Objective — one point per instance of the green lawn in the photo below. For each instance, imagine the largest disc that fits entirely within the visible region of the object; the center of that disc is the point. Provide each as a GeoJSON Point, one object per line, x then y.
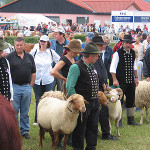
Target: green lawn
{"type": "Point", "coordinates": [132, 138]}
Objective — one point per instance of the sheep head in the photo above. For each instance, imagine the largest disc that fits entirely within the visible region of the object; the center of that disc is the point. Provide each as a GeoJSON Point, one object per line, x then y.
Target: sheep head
{"type": "Point", "coordinates": [102, 98]}
{"type": "Point", "coordinates": [113, 94]}
{"type": "Point", "coordinates": [77, 103]}
{"type": "Point", "coordinates": [119, 90]}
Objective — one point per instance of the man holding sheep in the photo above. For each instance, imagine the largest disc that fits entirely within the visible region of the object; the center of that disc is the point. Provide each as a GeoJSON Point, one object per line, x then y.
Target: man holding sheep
{"type": "Point", "coordinates": [123, 69]}
{"type": "Point", "coordinates": [82, 79]}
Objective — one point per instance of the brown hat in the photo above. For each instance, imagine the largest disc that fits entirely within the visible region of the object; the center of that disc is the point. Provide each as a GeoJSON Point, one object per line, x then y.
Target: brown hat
{"type": "Point", "coordinates": [74, 45]}
{"type": "Point", "coordinates": [98, 40]}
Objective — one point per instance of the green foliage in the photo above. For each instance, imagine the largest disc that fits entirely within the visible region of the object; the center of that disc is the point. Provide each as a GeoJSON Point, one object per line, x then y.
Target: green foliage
{"type": "Point", "coordinates": [10, 39]}
{"type": "Point", "coordinates": [7, 1]}
{"type": "Point", "coordinates": [80, 36]}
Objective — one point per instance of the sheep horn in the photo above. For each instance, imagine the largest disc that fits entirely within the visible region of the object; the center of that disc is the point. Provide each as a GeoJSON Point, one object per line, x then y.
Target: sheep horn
{"type": "Point", "coordinates": [119, 90]}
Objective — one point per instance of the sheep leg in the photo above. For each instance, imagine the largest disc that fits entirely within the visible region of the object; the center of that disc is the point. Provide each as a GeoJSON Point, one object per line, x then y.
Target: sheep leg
{"type": "Point", "coordinates": [41, 136]}
{"type": "Point", "coordinates": [110, 125]}
{"type": "Point", "coordinates": [142, 113]}
{"type": "Point", "coordinates": [147, 115]}
{"type": "Point", "coordinates": [56, 134]}
{"type": "Point", "coordinates": [117, 126]}
{"type": "Point", "coordinates": [65, 141]}
{"type": "Point", "coordinates": [52, 136]}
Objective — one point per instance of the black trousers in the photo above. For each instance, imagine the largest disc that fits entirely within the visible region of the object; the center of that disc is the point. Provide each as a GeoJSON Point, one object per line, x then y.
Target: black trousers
{"type": "Point", "coordinates": [129, 92]}
{"type": "Point", "coordinates": [86, 128]}
{"type": "Point", "coordinates": [104, 120]}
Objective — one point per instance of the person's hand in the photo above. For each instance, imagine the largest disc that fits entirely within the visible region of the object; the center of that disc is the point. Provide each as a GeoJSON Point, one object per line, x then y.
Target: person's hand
{"type": "Point", "coordinates": [65, 80]}
{"type": "Point", "coordinates": [4, 54]}
{"type": "Point", "coordinates": [148, 79]}
{"type": "Point", "coordinates": [115, 83]}
{"type": "Point", "coordinates": [136, 81]}
{"type": "Point", "coordinates": [104, 86]}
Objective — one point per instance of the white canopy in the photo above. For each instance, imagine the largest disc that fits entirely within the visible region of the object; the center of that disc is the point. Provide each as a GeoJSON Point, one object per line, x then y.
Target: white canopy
{"type": "Point", "coordinates": [30, 19]}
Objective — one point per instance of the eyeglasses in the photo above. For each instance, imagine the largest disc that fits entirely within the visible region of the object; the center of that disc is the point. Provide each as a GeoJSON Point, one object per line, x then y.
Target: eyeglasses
{"type": "Point", "coordinates": [42, 41]}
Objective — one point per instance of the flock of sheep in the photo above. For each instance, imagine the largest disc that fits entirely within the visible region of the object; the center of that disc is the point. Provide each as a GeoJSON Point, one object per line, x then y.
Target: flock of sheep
{"type": "Point", "coordinates": [56, 114]}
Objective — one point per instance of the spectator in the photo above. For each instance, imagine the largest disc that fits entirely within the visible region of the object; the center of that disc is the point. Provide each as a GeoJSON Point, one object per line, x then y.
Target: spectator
{"type": "Point", "coordinates": [57, 44]}
{"type": "Point", "coordinates": [127, 29]}
{"type": "Point", "coordinates": [23, 76]}
{"type": "Point", "coordinates": [70, 36]}
{"type": "Point", "coordinates": [138, 29]}
{"type": "Point", "coordinates": [27, 32]}
{"type": "Point", "coordinates": [145, 29]}
{"type": "Point", "coordinates": [43, 57]}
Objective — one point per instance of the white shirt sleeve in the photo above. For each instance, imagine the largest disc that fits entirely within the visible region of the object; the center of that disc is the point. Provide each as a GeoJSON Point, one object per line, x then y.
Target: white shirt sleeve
{"type": "Point", "coordinates": [56, 57]}
{"type": "Point", "coordinates": [114, 63]}
{"type": "Point", "coordinates": [10, 81]}
{"type": "Point", "coordinates": [135, 65]}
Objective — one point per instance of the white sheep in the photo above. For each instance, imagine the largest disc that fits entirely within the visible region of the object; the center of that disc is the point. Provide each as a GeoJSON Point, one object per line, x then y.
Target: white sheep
{"type": "Point", "coordinates": [142, 98]}
{"type": "Point", "coordinates": [57, 116]}
{"type": "Point", "coordinates": [114, 106]}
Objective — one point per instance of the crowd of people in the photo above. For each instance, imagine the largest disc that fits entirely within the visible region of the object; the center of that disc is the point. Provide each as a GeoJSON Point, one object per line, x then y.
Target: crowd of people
{"type": "Point", "coordinates": [82, 68]}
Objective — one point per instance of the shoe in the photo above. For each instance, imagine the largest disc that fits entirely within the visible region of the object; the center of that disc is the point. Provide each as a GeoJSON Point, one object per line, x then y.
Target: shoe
{"type": "Point", "coordinates": [110, 137]}
{"type": "Point", "coordinates": [35, 124]}
{"type": "Point", "coordinates": [26, 136]}
{"type": "Point", "coordinates": [132, 122]}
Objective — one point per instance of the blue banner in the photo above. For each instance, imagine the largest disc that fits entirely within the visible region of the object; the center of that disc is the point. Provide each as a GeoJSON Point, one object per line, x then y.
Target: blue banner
{"type": "Point", "coordinates": [122, 18]}
{"type": "Point", "coordinates": [141, 18]}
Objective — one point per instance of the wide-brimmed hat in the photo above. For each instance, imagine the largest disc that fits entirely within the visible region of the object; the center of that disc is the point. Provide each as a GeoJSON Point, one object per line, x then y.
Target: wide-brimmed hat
{"type": "Point", "coordinates": [91, 48]}
{"type": "Point", "coordinates": [3, 44]}
{"type": "Point", "coordinates": [74, 45]}
{"type": "Point", "coordinates": [128, 38]}
{"type": "Point", "coordinates": [98, 40]}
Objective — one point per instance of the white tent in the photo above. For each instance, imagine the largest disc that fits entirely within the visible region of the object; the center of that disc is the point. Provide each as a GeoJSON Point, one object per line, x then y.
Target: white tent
{"type": "Point", "coordinates": [30, 19]}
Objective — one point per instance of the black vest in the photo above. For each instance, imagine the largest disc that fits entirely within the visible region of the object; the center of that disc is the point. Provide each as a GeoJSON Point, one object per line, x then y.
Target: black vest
{"type": "Point", "coordinates": [4, 79]}
{"type": "Point", "coordinates": [87, 83]}
{"type": "Point", "coordinates": [125, 68]}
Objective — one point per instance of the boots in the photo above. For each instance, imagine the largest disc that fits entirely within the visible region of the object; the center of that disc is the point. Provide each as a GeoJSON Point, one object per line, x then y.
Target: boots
{"type": "Point", "coordinates": [131, 121]}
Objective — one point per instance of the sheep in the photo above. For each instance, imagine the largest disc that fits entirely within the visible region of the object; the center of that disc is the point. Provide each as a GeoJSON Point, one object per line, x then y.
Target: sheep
{"type": "Point", "coordinates": [142, 98]}
{"type": "Point", "coordinates": [114, 106]}
{"type": "Point", "coordinates": [59, 116]}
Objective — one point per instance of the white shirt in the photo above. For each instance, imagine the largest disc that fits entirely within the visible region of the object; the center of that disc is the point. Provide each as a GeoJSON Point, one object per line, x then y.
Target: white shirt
{"type": "Point", "coordinates": [27, 33]}
{"type": "Point", "coordinates": [43, 63]}
{"type": "Point", "coordinates": [115, 61]}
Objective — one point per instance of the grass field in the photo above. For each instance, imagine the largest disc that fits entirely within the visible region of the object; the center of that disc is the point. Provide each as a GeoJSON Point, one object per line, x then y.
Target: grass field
{"type": "Point", "coordinates": [132, 138]}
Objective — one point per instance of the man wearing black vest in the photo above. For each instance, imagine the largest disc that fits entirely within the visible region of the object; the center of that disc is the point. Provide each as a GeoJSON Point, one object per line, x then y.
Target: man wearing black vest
{"type": "Point", "coordinates": [5, 76]}
{"type": "Point", "coordinates": [82, 79]}
{"type": "Point", "coordinates": [124, 73]}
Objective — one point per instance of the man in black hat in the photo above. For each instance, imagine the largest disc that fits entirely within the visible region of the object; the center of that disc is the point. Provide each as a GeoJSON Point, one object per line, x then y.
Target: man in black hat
{"type": "Point", "coordinates": [82, 79]}
{"type": "Point", "coordinates": [102, 75]}
{"type": "Point", "coordinates": [5, 76]}
{"type": "Point", "coordinates": [123, 69]}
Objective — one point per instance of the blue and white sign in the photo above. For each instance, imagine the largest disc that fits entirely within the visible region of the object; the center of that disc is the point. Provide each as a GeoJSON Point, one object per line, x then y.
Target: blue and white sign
{"type": "Point", "coordinates": [141, 18]}
{"type": "Point", "coordinates": [122, 18]}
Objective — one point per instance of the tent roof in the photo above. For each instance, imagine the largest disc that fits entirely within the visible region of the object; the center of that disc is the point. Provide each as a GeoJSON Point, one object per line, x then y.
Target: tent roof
{"type": "Point", "coordinates": [30, 19]}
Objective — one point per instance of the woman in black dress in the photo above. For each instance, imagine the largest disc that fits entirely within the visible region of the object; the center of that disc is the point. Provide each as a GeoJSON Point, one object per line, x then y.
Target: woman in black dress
{"type": "Point", "coordinates": [61, 69]}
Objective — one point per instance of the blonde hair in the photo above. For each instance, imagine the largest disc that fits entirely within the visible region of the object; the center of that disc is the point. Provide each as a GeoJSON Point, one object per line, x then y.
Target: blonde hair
{"type": "Point", "coordinates": [106, 38]}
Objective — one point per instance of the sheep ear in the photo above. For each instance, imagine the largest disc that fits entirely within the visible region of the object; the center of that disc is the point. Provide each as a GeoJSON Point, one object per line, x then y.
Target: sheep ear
{"type": "Point", "coordinates": [86, 102]}
{"type": "Point", "coordinates": [119, 90]}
